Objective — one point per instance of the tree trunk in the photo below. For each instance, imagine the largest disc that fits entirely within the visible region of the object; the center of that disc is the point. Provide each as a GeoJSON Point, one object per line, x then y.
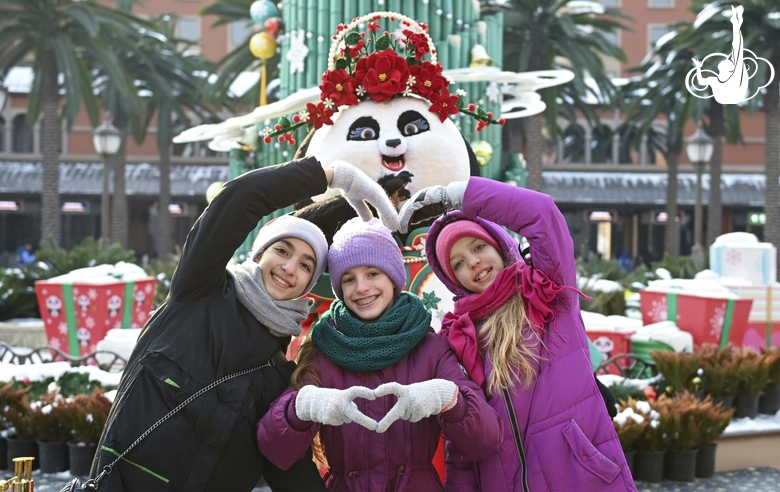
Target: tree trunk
{"type": "Point", "coordinates": [164, 220]}
{"type": "Point", "coordinates": [50, 193]}
{"type": "Point", "coordinates": [714, 204]}
{"type": "Point", "coordinates": [119, 214]}
{"type": "Point", "coordinates": [670, 236]}
{"type": "Point", "coordinates": [772, 193]}
{"type": "Point", "coordinates": [534, 142]}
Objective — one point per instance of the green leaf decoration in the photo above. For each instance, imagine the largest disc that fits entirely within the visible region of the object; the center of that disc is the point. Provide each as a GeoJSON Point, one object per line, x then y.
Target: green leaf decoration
{"type": "Point", "coordinates": [285, 122]}
{"type": "Point", "coordinates": [383, 43]}
{"type": "Point", "coordinates": [352, 39]}
{"type": "Point", "coordinates": [341, 63]}
{"type": "Point", "coordinates": [459, 104]}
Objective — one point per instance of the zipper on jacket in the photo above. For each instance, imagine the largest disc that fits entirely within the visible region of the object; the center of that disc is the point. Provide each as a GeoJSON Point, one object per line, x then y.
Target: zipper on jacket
{"type": "Point", "coordinates": [398, 475]}
{"type": "Point", "coordinates": [518, 442]}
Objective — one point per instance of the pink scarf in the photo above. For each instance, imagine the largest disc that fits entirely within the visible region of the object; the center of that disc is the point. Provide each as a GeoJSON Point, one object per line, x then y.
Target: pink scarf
{"type": "Point", "coordinates": [540, 299]}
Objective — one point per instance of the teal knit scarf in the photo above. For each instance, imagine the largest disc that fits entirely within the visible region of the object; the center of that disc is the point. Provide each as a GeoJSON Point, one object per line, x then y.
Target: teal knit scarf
{"type": "Point", "coordinates": [370, 346]}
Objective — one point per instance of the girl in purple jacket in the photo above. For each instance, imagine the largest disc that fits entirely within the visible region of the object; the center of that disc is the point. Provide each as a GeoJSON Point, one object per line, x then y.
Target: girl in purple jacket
{"type": "Point", "coordinates": [517, 329]}
{"type": "Point", "coordinates": [375, 382]}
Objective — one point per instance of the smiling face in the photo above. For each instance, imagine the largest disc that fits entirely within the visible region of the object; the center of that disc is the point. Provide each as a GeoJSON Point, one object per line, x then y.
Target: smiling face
{"type": "Point", "coordinates": [393, 136]}
{"type": "Point", "coordinates": [287, 267]}
{"type": "Point", "coordinates": [368, 291]}
{"type": "Point", "coordinates": [475, 263]}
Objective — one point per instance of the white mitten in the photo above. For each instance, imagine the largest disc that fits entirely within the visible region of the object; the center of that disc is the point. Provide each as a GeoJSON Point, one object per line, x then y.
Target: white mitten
{"type": "Point", "coordinates": [333, 406]}
{"type": "Point", "coordinates": [417, 401]}
{"type": "Point", "coordinates": [357, 187]}
{"type": "Point", "coordinates": [451, 198]}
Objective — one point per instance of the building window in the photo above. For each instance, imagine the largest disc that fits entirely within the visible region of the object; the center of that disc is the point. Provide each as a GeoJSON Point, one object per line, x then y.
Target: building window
{"type": "Point", "coordinates": [610, 3]}
{"type": "Point", "coordinates": [656, 32]}
{"type": "Point", "coordinates": [188, 29]}
{"type": "Point", "coordinates": [22, 138]}
{"type": "Point", "coordinates": [240, 31]}
{"type": "Point", "coordinates": [612, 37]}
{"type": "Point", "coordinates": [661, 4]}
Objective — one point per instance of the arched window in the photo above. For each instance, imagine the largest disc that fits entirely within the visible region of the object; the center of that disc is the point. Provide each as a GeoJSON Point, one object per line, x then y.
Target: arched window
{"type": "Point", "coordinates": [22, 137]}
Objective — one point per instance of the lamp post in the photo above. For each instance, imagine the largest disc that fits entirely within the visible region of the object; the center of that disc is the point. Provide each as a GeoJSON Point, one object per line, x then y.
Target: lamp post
{"type": "Point", "coordinates": [106, 138]}
{"type": "Point", "coordinates": [699, 148]}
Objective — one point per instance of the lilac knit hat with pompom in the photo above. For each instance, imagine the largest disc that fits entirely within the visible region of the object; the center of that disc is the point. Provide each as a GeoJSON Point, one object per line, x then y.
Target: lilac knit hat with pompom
{"type": "Point", "coordinates": [360, 243]}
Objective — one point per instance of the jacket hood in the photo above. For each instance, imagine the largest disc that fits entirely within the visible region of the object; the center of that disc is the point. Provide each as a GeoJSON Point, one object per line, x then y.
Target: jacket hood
{"type": "Point", "coordinates": [509, 247]}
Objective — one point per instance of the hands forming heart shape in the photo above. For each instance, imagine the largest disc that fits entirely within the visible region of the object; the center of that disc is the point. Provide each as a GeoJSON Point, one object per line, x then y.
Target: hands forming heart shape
{"type": "Point", "coordinates": [336, 407]}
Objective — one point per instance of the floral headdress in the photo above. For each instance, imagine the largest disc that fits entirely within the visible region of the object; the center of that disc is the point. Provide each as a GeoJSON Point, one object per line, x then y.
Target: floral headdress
{"type": "Point", "coordinates": [364, 65]}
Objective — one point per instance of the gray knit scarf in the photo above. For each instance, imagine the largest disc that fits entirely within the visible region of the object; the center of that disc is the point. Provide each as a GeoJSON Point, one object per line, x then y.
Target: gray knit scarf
{"type": "Point", "coordinates": [282, 318]}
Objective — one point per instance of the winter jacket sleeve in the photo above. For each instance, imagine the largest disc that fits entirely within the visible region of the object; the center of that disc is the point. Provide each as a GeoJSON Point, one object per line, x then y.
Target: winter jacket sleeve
{"type": "Point", "coordinates": [472, 425]}
{"type": "Point", "coordinates": [232, 215]}
{"type": "Point", "coordinates": [281, 436]}
{"type": "Point", "coordinates": [531, 214]}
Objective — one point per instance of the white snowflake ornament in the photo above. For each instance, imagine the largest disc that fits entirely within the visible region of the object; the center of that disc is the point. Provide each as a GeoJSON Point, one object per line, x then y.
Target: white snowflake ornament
{"type": "Point", "coordinates": [298, 51]}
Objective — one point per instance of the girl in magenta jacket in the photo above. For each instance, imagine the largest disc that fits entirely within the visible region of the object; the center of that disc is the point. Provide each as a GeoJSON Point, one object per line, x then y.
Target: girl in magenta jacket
{"type": "Point", "coordinates": [517, 329]}
{"type": "Point", "coordinates": [376, 383]}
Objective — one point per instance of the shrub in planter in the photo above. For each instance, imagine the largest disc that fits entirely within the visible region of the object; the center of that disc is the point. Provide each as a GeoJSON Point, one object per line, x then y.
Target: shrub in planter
{"type": "Point", "coordinates": [684, 431]}
{"type": "Point", "coordinates": [650, 445]}
{"type": "Point", "coordinates": [769, 403]}
{"type": "Point", "coordinates": [679, 371]}
{"type": "Point", "coordinates": [86, 415]}
{"type": "Point", "coordinates": [753, 376]}
{"type": "Point", "coordinates": [713, 421]}
{"type": "Point", "coordinates": [719, 376]}
{"type": "Point", "coordinates": [629, 425]}
{"type": "Point", "coordinates": [10, 400]}
{"type": "Point", "coordinates": [48, 415]}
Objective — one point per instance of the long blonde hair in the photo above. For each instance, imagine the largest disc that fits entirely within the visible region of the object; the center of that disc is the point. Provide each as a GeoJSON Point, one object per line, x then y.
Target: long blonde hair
{"type": "Point", "coordinates": [300, 377]}
{"type": "Point", "coordinates": [512, 345]}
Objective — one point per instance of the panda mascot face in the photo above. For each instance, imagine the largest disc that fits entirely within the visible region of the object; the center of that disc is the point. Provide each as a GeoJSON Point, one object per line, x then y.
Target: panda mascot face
{"type": "Point", "coordinates": [394, 136]}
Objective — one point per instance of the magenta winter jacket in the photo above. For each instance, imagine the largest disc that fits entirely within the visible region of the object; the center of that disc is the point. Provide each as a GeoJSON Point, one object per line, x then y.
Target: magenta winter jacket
{"type": "Point", "coordinates": [567, 442]}
{"type": "Point", "coordinates": [400, 458]}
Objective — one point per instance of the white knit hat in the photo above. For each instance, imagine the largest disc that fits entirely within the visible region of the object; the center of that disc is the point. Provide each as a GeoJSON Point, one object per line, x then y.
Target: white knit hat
{"type": "Point", "coordinates": [289, 226]}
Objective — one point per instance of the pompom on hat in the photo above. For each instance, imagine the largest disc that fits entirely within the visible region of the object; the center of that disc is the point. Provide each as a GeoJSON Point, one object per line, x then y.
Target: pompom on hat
{"type": "Point", "coordinates": [454, 231]}
{"type": "Point", "coordinates": [360, 243]}
{"type": "Point", "coordinates": [289, 226]}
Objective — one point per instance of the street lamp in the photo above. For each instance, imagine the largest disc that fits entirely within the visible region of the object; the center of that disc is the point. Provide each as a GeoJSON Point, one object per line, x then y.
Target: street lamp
{"type": "Point", "coordinates": [699, 149]}
{"type": "Point", "coordinates": [106, 138]}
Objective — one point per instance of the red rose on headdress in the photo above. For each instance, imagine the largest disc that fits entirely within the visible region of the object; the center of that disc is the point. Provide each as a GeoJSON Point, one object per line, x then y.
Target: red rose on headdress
{"type": "Point", "coordinates": [339, 86]}
{"type": "Point", "coordinates": [319, 115]}
{"type": "Point", "coordinates": [444, 103]}
{"type": "Point", "coordinates": [382, 74]}
{"type": "Point", "coordinates": [420, 43]}
{"type": "Point", "coordinates": [428, 79]}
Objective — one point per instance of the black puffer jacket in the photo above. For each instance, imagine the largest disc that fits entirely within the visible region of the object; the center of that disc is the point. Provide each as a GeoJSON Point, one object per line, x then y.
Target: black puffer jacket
{"type": "Point", "coordinates": [198, 335]}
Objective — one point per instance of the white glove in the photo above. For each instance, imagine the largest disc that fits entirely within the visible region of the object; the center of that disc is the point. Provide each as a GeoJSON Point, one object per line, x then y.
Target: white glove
{"type": "Point", "coordinates": [416, 401]}
{"type": "Point", "coordinates": [333, 406]}
{"type": "Point", "coordinates": [357, 186]}
{"type": "Point", "coordinates": [451, 197]}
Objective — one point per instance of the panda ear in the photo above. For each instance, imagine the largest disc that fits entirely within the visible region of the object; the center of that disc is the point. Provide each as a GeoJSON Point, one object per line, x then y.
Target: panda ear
{"type": "Point", "coordinates": [474, 167]}
{"type": "Point", "coordinates": [301, 152]}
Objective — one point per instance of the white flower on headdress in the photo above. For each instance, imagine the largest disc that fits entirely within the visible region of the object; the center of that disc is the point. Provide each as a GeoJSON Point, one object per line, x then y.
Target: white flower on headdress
{"type": "Point", "coordinates": [266, 131]}
{"type": "Point", "coordinates": [407, 92]}
{"type": "Point", "coordinates": [411, 81]}
{"type": "Point", "coordinates": [461, 93]}
{"type": "Point", "coordinates": [450, 80]}
{"type": "Point", "coordinates": [329, 104]}
{"type": "Point", "coordinates": [304, 115]}
{"type": "Point", "coordinates": [360, 91]}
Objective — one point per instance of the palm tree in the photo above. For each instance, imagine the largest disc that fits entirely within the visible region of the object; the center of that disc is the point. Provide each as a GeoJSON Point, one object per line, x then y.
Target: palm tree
{"type": "Point", "coordinates": [56, 34]}
{"type": "Point", "coordinates": [539, 33]}
{"type": "Point", "coordinates": [661, 91]}
{"type": "Point", "coordinates": [763, 19]}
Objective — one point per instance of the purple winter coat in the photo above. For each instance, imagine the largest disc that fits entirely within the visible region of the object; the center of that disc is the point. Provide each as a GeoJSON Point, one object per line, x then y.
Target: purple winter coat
{"type": "Point", "coordinates": [567, 439]}
{"type": "Point", "coordinates": [400, 458]}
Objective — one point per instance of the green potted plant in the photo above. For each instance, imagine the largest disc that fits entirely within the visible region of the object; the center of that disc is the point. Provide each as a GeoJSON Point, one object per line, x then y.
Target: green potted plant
{"type": "Point", "coordinates": [679, 371]}
{"type": "Point", "coordinates": [629, 425]}
{"type": "Point", "coordinates": [682, 439]}
{"type": "Point", "coordinates": [753, 376]}
{"type": "Point", "coordinates": [86, 416]}
{"type": "Point", "coordinates": [713, 420]}
{"type": "Point", "coordinates": [650, 445]}
{"type": "Point", "coordinates": [52, 431]}
{"type": "Point", "coordinates": [769, 403]}
{"type": "Point", "coordinates": [10, 400]}
{"type": "Point", "coordinates": [21, 436]}
{"type": "Point", "coordinates": [719, 378]}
